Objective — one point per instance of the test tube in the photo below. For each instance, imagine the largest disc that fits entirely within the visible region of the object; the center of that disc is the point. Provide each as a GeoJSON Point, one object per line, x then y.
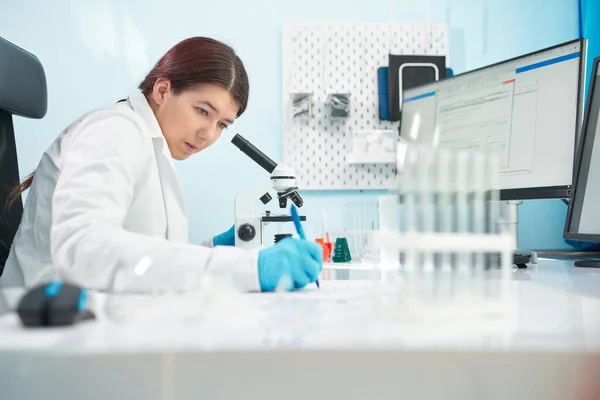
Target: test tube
{"type": "Point", "coordinates": [506, 257]}
{"type": "Point", "coordinates": [444, 212]}
{"type": "Point", "coordinates": [426, 174]}
{"type": "Point", "coordinates": [409, 200]}
{"type": "Point", "coordinates": [463, 215]}
{"type": "Point", "coordinates": [444, 201]}
{"type": "Point", "coordinates": [479, 219]}
{"type": "Point", "coordinates": [493, 172]}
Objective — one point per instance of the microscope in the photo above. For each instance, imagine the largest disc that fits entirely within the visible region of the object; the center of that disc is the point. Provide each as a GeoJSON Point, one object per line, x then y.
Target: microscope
{"type": "Point", "coordinates": [249, 227]}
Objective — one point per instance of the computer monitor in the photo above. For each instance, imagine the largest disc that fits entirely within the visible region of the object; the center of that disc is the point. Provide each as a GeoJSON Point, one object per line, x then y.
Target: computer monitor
{"type": "Point", "coordinates": [527, 110]}
{"type": "Point", "coordinates": [583, 215]}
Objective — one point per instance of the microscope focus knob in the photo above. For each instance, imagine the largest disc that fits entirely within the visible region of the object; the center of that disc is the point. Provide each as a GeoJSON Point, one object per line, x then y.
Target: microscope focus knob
{"type": "Point", "coordinates": [246, 232]}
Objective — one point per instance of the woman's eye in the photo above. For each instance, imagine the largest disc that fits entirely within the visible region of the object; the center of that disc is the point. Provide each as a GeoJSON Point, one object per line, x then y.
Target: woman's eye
{"type": "Point", "coordinates": [222, 125]}
{"type": "Point", "coordinates": [202, 111]}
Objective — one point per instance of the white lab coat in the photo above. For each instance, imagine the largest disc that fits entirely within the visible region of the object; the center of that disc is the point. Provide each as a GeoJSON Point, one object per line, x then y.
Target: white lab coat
{"type": "Point", "coordinates": [106, 195]}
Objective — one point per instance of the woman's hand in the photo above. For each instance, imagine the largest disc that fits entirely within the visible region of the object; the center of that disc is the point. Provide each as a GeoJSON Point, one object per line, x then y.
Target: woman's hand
{"type": "Point", "coordinates": [226, 238]}
{"type": "Point", "coordinates": [293, 263]}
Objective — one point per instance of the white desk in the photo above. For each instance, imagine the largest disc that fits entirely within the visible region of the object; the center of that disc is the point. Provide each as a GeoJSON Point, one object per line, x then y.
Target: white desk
{"type": "Point", "coordinates": [552, 353]}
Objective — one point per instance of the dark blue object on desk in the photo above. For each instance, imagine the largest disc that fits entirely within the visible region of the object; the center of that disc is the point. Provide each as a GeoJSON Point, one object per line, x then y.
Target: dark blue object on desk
{"type": "Point", "coordinates": [54, 304]}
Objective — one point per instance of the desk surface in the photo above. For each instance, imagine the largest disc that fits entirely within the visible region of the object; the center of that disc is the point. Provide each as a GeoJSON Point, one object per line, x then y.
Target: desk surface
{"type": "Point", "coordinates": [557, 308]}
{"type": "Point", "coordinates": [554, 341]}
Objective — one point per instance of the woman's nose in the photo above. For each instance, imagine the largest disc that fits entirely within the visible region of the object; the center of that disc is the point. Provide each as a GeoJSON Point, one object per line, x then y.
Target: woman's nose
{"type": "Point", "coordinates": [207, 132]}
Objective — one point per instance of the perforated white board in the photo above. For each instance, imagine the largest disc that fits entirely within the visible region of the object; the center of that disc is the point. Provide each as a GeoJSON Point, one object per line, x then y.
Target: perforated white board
{"type": "Point", "coordinates": [343, 58]}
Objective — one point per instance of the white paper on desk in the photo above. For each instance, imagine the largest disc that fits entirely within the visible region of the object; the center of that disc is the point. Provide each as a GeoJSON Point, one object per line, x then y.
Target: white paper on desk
{"type": "Point", "coordinates": [341, 290]}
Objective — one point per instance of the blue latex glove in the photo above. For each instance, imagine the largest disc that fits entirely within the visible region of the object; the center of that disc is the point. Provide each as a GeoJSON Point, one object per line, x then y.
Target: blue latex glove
{"type": "Point", "coordinates": [226, 238]}
{"type": "Point", "coordinates": [300, 261]}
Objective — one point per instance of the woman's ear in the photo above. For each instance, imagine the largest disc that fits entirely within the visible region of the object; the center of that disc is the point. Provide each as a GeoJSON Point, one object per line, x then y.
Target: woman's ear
{"type": "Point", "coordinates": [161, 91]}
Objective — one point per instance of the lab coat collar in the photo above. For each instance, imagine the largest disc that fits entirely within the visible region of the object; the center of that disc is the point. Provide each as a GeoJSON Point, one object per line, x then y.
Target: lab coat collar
{"type": "Point", "coordinates": [177, 224]}
{"type": "Point", "coordinates": [140, 105]}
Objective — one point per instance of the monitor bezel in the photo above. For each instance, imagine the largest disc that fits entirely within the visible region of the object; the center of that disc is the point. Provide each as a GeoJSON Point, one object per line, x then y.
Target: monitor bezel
{"type": "Point", "coordinates": [567, 234]}
{"type": "Point", "coordinates": [540, 192]}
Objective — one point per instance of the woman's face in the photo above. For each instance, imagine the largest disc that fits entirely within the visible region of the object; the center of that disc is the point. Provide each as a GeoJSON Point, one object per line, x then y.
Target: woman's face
{"type": "Point", "coordinates": [194, 119]}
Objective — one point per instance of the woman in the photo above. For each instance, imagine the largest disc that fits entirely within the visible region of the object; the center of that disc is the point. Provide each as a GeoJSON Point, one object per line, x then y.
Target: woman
{"type": "Point", "coordinates": [105, 195]}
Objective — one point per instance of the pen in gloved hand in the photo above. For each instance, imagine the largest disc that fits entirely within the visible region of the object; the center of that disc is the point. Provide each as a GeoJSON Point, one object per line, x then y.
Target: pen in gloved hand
{"type": "Point", "coordinates": [299, 229]}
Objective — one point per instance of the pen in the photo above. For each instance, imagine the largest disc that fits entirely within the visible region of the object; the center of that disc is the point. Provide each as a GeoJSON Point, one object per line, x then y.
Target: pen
{"type": "Point", "coordinates": [299, 229]}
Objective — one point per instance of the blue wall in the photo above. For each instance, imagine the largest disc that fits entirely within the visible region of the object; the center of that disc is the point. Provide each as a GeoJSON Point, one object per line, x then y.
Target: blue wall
{"type": "Point", "coordinates": [95, 52]}
{"type": "Point", "coordinates": [590, 9]}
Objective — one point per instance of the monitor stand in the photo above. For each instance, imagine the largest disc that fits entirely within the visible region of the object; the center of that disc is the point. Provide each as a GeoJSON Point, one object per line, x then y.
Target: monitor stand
{"type": "Point", "coordinates": [587, 263]}
{"type": "Point", "coordinates": [523, 257]}
{"type": "Point", "coordinates": [520, 257]}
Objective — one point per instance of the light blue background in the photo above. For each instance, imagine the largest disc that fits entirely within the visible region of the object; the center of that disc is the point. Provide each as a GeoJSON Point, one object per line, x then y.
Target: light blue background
{"type": "Point", "coordinates": [96, 51]}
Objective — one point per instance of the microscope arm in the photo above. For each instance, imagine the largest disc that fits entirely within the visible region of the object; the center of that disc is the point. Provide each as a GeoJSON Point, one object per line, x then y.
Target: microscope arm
{"type": "Point", "coordinates": [246, 199]}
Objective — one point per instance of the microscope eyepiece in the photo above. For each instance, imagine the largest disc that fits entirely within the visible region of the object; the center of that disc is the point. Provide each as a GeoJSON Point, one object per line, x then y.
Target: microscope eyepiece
{"type": "Point", "coordinates": [255, 154]}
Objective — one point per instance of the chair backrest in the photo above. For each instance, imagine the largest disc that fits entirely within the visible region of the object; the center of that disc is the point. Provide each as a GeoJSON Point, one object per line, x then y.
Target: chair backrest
{"type": "Point", "coordinates": [23, 92]}
{"type": "Point", "coordinates": [9, 177]}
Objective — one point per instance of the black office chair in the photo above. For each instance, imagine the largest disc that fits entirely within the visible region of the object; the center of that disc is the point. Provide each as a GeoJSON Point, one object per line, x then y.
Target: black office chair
{"type": "Point", "coordinates": [23, 92]}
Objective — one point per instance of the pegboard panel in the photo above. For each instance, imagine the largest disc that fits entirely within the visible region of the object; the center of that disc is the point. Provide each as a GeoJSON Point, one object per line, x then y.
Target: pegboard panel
{"type": "Point", "coordinates": [324, 59]}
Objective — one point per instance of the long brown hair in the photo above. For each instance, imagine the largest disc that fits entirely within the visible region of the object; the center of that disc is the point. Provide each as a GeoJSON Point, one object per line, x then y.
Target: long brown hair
{"type": "Point", "coordinates": [18, 189]}
{"type": "Point", "coordinates": [191, 62]}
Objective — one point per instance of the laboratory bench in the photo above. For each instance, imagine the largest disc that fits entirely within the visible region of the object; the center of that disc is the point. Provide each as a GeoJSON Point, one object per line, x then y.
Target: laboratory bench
{"type": "Point", "coordinates": [317, 343]}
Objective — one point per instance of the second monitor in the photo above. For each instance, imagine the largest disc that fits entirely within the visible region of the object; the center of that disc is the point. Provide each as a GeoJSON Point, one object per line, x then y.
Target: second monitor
{"type": "Point", "coordinates": [527, 110]}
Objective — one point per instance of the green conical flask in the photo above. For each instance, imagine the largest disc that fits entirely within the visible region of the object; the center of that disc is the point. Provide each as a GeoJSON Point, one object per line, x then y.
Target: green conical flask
{"type": "Point", "coordinates": [341, 252]}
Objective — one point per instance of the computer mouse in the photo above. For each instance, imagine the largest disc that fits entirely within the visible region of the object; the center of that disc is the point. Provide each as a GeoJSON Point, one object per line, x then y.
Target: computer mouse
{"type": "Point", "coordinates": [54, 304]}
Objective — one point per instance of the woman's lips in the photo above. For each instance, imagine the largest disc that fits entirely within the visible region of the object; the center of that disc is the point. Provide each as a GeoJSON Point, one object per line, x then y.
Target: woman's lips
{"type": "Point", "coordinates": [190, 148]}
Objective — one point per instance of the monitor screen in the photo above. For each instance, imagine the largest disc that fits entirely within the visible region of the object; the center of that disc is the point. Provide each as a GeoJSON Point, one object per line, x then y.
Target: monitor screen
{"type": "Point", "coordinates": [583, 219]}
{"type": "Point", "coordinates": [526, 110]}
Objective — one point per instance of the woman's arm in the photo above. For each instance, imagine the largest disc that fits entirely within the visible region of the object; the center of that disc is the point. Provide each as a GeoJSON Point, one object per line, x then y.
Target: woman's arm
{"type": "Point", "coordinates": [103, 159]}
